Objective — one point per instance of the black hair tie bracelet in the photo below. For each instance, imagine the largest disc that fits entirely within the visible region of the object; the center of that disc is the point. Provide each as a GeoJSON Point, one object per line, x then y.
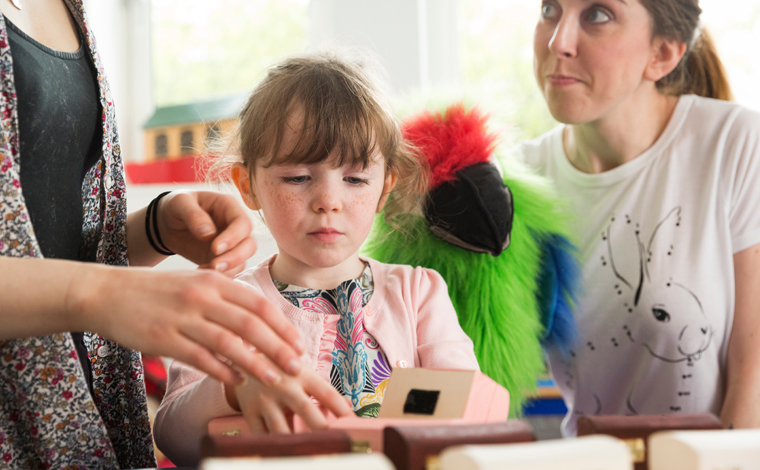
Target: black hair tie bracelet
{"type": "Point", "coordinates": [151, 216]}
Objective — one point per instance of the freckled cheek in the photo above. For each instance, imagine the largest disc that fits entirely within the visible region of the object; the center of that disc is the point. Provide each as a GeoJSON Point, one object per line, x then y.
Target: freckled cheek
{"type": "Point", "coordinates": [283, 206]}
{"type": "Point", "coordinates": [365, 200]}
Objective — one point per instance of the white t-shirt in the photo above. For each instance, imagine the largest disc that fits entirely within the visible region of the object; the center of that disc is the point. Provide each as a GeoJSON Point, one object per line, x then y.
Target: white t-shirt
{"type": "Point", "coordinates": [656, 239]}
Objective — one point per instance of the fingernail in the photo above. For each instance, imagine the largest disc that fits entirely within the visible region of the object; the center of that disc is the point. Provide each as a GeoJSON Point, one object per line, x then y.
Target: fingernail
{"type": "Point", "coordinates": [271, 377]}
{"type": "Point", "coordinates": [294, 367]}
{"type": "Point", "coordinates": [299, 346]}
{"type": "Point", "coordinates": [221, 248]}
{"type": "Point", "coordinates": [221, 267]}
{"type": "Point", "coordinates": [206, 230]}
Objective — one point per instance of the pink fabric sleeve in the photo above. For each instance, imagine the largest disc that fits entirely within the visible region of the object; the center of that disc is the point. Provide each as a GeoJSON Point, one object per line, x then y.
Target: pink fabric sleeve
{"type": "Point", "coordinates": [192, 400]}
{"type": "Point", "coordinates": [441, 343]}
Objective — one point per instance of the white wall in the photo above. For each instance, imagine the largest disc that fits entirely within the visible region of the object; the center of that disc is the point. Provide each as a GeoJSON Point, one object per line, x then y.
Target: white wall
{"type": "Point", "coordinates": [416, 40]}
{"type": "Point", "coordinates": [122, 30]}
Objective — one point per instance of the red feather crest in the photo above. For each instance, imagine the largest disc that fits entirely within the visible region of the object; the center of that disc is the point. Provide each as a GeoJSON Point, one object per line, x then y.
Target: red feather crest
{"type": "Point", "coordinates": [451, 141]}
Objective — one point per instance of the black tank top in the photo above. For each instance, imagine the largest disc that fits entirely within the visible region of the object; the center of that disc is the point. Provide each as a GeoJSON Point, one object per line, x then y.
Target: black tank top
{"type": "Point", "coordinates": [60, 135]}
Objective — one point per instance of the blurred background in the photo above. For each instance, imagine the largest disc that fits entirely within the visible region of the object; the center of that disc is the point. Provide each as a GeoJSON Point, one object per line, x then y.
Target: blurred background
{"type": "Point", "coordinates": [180, 69]}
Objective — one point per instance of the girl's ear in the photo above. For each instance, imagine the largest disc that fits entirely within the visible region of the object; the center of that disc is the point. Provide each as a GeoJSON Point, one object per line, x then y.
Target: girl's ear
{"type": "Point", "coordinates": [242, 180]}
{"type": "Point", "coordinates": [388, 185]}
{"type": "Point", "coordinates": [666, 55]}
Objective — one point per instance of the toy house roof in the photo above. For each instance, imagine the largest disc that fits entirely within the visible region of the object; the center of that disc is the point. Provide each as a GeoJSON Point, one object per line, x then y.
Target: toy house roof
{"type": "Point", "coordinates": [198, 111]}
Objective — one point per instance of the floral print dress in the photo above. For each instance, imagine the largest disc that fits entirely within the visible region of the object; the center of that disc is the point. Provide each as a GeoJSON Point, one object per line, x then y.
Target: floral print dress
{"type": "Point", "coordinates": [48, 417]}
{"type": "Point", "coordinates": [360, 370]}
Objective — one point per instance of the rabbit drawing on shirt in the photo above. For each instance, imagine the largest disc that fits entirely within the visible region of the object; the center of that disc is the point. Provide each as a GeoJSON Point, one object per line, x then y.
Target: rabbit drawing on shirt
{"type": "Point", "coordinates": [656, 314]}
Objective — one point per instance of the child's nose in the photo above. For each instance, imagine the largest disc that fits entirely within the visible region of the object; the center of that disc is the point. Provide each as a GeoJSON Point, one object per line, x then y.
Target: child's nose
{"type": "Point", "coordinates": [327, 200]}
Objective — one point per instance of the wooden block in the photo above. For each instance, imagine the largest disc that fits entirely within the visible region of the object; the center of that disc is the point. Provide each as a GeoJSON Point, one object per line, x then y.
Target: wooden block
{"type": "Point", "coordinates": [416, 447]}
{"type": "Point", "coordinates": [414, 397]}
{"type": "Point", "coordinates": [276, 445]}
{"type": "Point", "coordinates": [321, 462]}
{"type": "Point", "coordinates": [468, 395]}
{"type": "Point", "coordinates": [705, 450]}
{"type": "Point", "coordinates": [635, 430]}
{"type": "Point", "coordinates": [583, 453]}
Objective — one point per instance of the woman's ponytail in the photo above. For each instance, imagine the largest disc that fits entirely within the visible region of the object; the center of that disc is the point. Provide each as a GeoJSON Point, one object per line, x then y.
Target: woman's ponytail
{"type": "Point", "coordinates": [700, 71]}
{"type": "Point", "coordinates": [704, 71]}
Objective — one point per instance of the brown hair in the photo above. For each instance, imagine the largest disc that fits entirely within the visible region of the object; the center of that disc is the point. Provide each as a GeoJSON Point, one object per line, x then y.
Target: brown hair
{"type": "Point", "coordinates": [343, 111]}
{"type": "Point", "coordinates": [700, 71]}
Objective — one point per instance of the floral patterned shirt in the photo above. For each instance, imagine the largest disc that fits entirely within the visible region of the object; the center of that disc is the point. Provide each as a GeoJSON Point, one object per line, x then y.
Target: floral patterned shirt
{"type": "Point", "coordinates": [48, 417]}
{"type": "Point", "coordinates": [360, 370]}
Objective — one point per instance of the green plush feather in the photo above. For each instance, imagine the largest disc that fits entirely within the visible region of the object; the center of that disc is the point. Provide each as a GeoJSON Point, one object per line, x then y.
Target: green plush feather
{"type": "Point", "coordinates": [495, 297]}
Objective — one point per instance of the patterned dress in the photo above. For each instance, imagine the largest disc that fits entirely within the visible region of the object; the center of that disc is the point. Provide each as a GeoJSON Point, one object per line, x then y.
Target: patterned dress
{"type": "Point", "coordinates": [48, 418]}
{"type": "Point", "coordinates": [360, 370]}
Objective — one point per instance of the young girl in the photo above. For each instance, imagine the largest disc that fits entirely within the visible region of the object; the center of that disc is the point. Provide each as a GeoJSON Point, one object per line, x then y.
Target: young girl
{"type": "Point", "coordinates": [321, 155]}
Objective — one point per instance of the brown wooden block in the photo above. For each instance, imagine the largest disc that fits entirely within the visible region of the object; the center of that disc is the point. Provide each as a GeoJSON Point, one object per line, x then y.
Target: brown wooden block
{"type": "Point", "coordinates": [315, 443]}
{"type": "Point", "coordinates": [412, 447]}
{"type": "Point", "coordinates": [635, 430]}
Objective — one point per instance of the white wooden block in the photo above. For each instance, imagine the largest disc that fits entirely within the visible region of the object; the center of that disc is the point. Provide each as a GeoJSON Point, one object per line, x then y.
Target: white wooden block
{"type": "Point", "coordinates": [705, 450]}
{"type": "Point", "coordinates": [318, 462]}
{"type": "Point", "coordinates": [583, 453]}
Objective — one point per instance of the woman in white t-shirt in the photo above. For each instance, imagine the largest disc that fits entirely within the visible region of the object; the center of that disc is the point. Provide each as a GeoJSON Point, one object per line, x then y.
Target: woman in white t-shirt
{"type": "Point", "coordinates": [665, 186]}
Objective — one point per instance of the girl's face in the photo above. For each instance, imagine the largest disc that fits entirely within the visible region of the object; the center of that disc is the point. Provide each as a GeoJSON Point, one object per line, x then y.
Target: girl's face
{"type": "Point", "coordinates": [320, 214]}
{"type": "Point", "coordinates": [590, 56]}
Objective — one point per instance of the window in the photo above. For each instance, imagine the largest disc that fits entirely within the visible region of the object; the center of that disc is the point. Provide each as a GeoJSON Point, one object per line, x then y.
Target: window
{"type": "Point", "coordinates": [161, 146]}
{"type": "Point", "coordinates": [497, 60]}
{"type": "Point", "coordinates": [203, 48]}
{"type": "Point", "coordinates": [186, 143]}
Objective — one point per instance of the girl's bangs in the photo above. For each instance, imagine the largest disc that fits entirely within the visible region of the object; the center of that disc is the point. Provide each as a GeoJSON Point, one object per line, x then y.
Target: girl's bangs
{"type": "Point", "coordinates": [343, 135]}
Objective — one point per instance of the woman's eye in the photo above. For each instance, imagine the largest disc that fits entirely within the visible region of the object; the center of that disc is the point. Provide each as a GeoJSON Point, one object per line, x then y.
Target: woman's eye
{"type": "Point", "coordinates": [548, 10]}
{"type": "Point", "coordinates": [295, 179]}
{"type": "Point", "coordinates": [354, 180]}
{"type": "Point", "coordinates": [598, 16]}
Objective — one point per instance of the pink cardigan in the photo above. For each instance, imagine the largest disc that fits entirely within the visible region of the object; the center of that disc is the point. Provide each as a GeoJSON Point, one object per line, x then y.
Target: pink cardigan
{"type": "Point", "coordinates": [409, 314]}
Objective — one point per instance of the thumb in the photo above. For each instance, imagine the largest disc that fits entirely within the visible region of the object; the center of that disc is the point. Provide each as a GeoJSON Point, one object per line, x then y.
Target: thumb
{"type": "Point", "coordinates": [185, 207]}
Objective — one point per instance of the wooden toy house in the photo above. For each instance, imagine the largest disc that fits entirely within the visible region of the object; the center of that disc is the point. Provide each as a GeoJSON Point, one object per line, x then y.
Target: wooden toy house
{"type": "Point", "coordinates": [176, 136]}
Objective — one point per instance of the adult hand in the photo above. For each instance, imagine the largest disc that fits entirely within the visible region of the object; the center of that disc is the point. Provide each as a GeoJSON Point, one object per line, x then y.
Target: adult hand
{"type": "Point", "coordinates": [194, 316]}
{"type": "Point", "coordinates": [266, 408]}
{"type": "Point", "coordinates": [210, 229]}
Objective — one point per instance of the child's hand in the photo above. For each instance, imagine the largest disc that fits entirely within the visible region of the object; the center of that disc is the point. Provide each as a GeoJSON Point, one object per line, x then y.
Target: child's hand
{"type": "Point", "coordinates": [267, 408]}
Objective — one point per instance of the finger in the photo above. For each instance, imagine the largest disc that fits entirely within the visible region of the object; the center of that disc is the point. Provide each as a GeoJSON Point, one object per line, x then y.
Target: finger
{"type": "Point", "coordinates": [189, 352]}
{"type": "Point", "coordinates": [238, 226]}
{"type": "Point", "coordinates": [305, 407]}
{"type": "Point", "coordinates": [231, 273]}
{"type": "Point", "coordinates": [221, 341]}
{"type": "Point", "coordinates": [274, 419]}
{"type": "Point", "coordinates": [327, 396]}
{"type": "Point", "coordinates": [267, 329]}
{"type": "Point", "coordinates": [235, 270]}
{"type": "Point", "coordinates": [186, 208]}
{"type": "Point", "coordinates": [280, 327]}
{"type": "Point", "coordinates": [255, 423]}
{"type": "Point", "coordinates": [235, 256]}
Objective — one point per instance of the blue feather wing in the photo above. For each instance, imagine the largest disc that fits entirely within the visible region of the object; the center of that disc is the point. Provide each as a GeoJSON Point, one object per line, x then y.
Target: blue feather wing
{"type": "Point", "coordinates": [558, 282]}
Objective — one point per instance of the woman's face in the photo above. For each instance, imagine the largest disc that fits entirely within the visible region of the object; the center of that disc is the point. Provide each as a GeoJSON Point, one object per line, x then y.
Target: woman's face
{"type": "Point", "coordinates": [590, 56]}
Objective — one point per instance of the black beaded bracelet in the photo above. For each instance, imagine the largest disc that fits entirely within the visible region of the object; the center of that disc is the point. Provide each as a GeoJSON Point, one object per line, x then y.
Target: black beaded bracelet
{"type": "Point", "coordinates": [151, 215]}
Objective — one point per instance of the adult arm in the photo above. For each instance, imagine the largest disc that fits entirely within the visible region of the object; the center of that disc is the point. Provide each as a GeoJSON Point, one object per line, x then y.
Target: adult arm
{"type": "Point", "coordinates": [190, 315]}
{"type": "Point", "coordinates": [741, 408]}
{"type": "Point", "coordinates": [187, 315]}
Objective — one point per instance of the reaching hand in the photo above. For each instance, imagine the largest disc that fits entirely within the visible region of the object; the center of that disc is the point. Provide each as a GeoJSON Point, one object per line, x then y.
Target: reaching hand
{"type": "Point", "coordinates": [193, 316]}
{"type": "Point", "coordinates": [266, 407]}
{"type": "Point", "coordinates": [208, 228]}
